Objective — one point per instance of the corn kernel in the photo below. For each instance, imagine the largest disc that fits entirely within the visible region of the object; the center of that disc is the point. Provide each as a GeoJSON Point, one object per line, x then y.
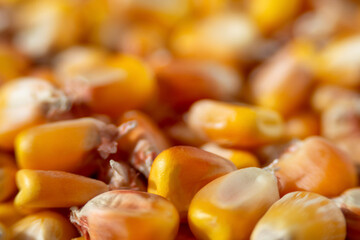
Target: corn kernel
{"type": "Point", "coordinates": [55, 189]}
{"type": "Point", "coordinates": [144, 141]}
{"type": "Point", "coordinates": [27, 102]}
{"type": "Point", "coordinates": [283, 82]}
{"type": "Point", "coordinates": [7, 176]}
{"type": "Point", "coordinates": [339, 62]}
{"type": "Point", "coordinates": [43, 225]}
{"type": "Point", "coordinates": [4, 233]}
{"type": "Point", "coordinates": [301, 215]}
{"type": "Point", "coordinates": [349, 203]}
{"type": "Point", "coordinates": [315, 165]}
{"type": "Point", "coordinates": [349, 144]}
{"type": "Point", "coordinates": [234, 125]}
{"type": "Point", "coordinates": [230, 206]}
{"type": "Point", "coordinates": [127, 215]}
{"type": "Point", "coordinates": [241, 159]}
{"type": "Point", "coordinates": [179, 172]}
{"type": "Point", "coordinates": [63, 145]}
{"type": "Point", "coordinates": [270, 15]}
{"type": "Point", "coordinates": [12, 63]}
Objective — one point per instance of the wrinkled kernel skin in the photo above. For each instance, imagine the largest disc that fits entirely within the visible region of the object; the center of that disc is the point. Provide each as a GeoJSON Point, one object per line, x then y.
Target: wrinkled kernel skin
{"type": "Point", "coordinates": [179, 172]}
{"type": "Point", "coordinates": [302, 216]}
{"type": "Point", "coordinates": [315, 165]}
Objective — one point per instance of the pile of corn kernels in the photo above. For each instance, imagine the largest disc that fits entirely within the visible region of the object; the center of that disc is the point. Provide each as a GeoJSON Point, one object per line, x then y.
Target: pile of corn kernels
{"type": "Point", "coordinates": [179, 119]}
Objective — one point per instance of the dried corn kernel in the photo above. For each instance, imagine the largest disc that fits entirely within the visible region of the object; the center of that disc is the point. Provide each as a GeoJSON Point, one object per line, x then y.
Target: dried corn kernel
{"type": "Point", "coordinates": [144, 142]}
{"type": "Point", "coordinates": [201, 40]}
{"type": "Point", "coordinates": [127, 215]}
{"type": "Point", "coordinates": [12, 63]}
{"type": "Point", "coordinates": [64, 145]}
{"type": "Point", "coordinates": [7, 176]}
{"type": "Point", "coordinates": [350, 206]}
{"type": "Point", "coordinates": [230, 206]}
{"type": "Point", "coordinates": [315, 165]}
{"type": "Point", "coordinates": [241, 159]}
{"type": "Point", "coordinates": [4, 233]}
{"type": "Point", "coordinates": [55, 189]}
{"type": "Point", "coordinates": [339, 62]}
{"type": "Point", "coordinates": [43, 225]}
{"type": "Point", "coordinates": [349, 144]}
{"type": "Point", "coordinates": [283, 82]}
{"type": "Point", "coordinates": [301, 215]}
{"type": "Point", "coordinates": [27, 102]}
{"type": "Point", "coordinates": [270, 15]}
{"type": "Point", "coordinates": [234, 125]}
{"type": "Point", "coordinates": [179, 172]}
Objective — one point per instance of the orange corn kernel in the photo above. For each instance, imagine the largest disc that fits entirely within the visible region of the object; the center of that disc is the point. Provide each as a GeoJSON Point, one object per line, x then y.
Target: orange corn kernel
{"type": "Point", "coordinates": [108, 85]}
{"type": "Point", "coordinates": [302, 125]}
{"type": "Point", "coordinates": [9, 213]}
{"type": "Point", "coordinates": [55, 189]}
{"type": "Point", "coordinates": [64, 145]}
{"type": "Point", "coordinates": [201, 39]}
{"type": "Point", "coordinates": [339, 63]}
{"type": "Point", "coordinates": [326, 96]}
{"type": "Point", "coordinates": [349, 202]}
{"type": "Point", "coordinates": [127, 215]}
{"type": "Point", "coordinates": [206, 79]}
{"type": "Point", "coordinates": [43, 225]}
{"type": "Point", "coordinates": [271, 15]}
{"type": "Point", "coordinates": [301, 215]}
{"type": "Point", "coordinates": [234, 125]}
{"type": "Point", "coordinates": [241, 159]}
{"type": "Point", "coordinates": [283, 82]}
{"type": "Point", "coordinates": [12, 63]}
{"type": "Point", "coordinates": [26, 102]}
{"type": "Point", "coordinates": [315, 165]}
{"type": "Point", "coordinates": [7, 177]}
{"type": "Point", "coordinates": [179, 172]}
{"type": "Point", "coordinates": [349, 144]}
{"type": "Point", "coordinates": [230, 206]}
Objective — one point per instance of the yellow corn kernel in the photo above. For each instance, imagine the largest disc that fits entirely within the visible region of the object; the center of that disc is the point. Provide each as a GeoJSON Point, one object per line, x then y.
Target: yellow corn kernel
{"type": "Point", "coordinates": [230, 206]}
{"type": "Point", "coordinates": [201, 39]}
{"type": "Point", "coordinates": [62, 145]}
{"type": "Point", "coordinates": [349, 202]}
{"type": "Point", "coordinates": [127, 215]}
{"type": "Point", "coordinates": [107, 84]}
{"type": "Point", "coordinates": [208, 7]}
{"type": "Point", "coordinates": [283, 82]}
{"type": "Point", "coordinates": [26, 102]}
{"type": "Point", "coordinates": [339, 62]}
{"type": "Point", "coordinates": [12, 63]}
{"type": "Point", "coordinates": [241, 159]}
{"type": "Point", "coordinates": [55, 189]}
{"type": "Point", "coordinates": [179, 172]}
{"type": "Point", "coordinates": [4, 232]}
{"type": "Point", "coordinates": [301, 215]}
{"type": "Point", "coordinates": [43, 225]}
{"type": "Point", "coordinates": [9, 213]}
{"type": "Point", "coordinates": [7, 176]}
{"type": "Point", "coordinates": [41, 25]}
{"type": "Point", "coordinates": [315, 165]}
{"type": "Point", "coordinates": [234, 125]}
{"type": "Point", "coordinates": [270, 15]}
{"type": "Point", "coordinates": [302, 125]}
